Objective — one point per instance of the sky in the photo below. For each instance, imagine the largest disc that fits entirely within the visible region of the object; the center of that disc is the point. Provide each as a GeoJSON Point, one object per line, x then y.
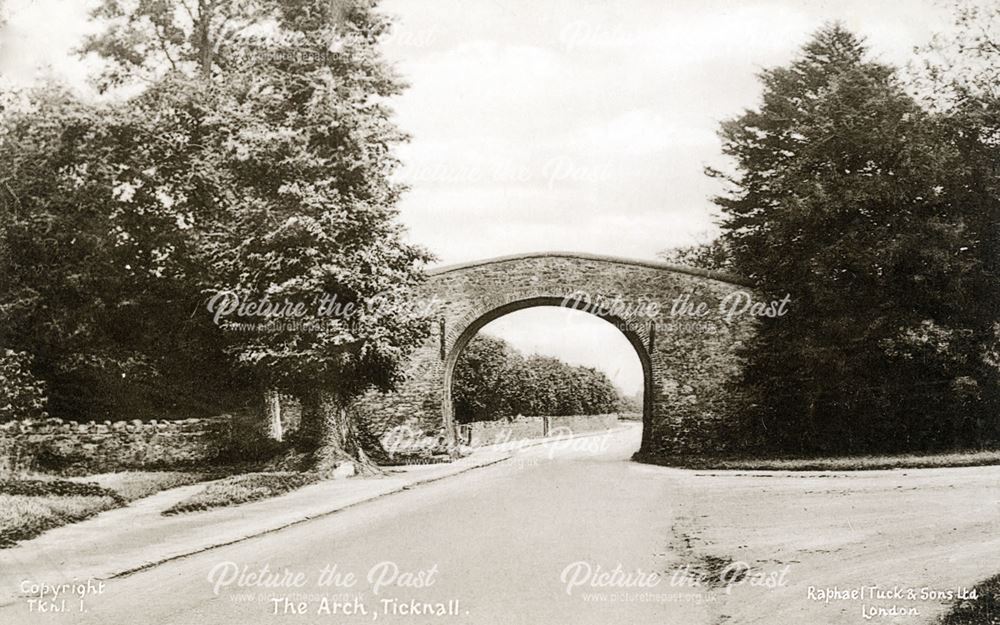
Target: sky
{"type": "Point", "coordinates": [569, 125]}
{"type": "Point", "coordinates": [585, 125]}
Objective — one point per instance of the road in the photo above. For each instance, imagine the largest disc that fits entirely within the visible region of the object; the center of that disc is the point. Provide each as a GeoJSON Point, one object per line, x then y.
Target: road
{"type": "Point", "coordinates": [572, 535]}
{"type": "Point", "coordinates": [495, 540]}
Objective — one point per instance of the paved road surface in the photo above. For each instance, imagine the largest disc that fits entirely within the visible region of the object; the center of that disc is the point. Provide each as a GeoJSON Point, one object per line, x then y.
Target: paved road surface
{"type": "Point", "coordinates": [496, 540]}
{"type": "Point", "coordinates": [499, 541]}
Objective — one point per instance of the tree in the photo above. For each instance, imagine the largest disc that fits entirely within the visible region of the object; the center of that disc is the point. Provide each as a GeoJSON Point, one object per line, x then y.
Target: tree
{"type": "Point", "coordinates": [843, 196]}
{"type": "Point", "coordinates": [297, 124]}
{"type": "Point", "coordinates": [713, 255]}
{"type": "Point", "coordinates": [958, 78]}
{"type": "Point", "coordinates": [99, 273]}
{"type": "Point", "coordinates": [485, 380]}
{"type": "Point", "coordinates": [493, 381]}
{"type": "Point", "coordinates": [256, 160]}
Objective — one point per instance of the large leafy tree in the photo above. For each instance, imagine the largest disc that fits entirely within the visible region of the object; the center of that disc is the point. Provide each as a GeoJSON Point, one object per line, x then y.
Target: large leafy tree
{"type": "Point", "coordinates": [842, 195]}
{"type": "Point", "coordinates": [958, 78]}
{"type": "Point", "coordinates": [98, 268]}
{"type": "Point", "coordinates": [281, 109]}
{"type": "Point", "coordinates": [254, 160]}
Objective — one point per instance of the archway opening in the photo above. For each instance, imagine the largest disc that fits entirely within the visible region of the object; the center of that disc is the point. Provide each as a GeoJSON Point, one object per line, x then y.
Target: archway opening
{"type": "Point", "coordinates": [540, 364]}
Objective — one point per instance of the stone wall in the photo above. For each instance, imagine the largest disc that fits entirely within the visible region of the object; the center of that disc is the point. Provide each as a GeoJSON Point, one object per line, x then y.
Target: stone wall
{"type": "Point", "coordinates": [72, 448]}
{"type": "Point", "coordinates": [630, 416]}
{"type": "Point", "coordinates": [416, 405]}
{"type": "Point", "coordinates": [578, 424]}
{"type": "Point", "coordinates": [479, 433]}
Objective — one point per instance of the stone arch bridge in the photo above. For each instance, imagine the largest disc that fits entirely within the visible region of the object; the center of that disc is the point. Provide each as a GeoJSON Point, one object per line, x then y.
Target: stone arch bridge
{"type": "Point", "coordinates": [686, 326]}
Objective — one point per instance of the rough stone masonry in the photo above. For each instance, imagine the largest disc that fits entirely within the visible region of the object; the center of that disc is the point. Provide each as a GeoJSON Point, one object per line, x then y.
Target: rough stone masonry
{"type": "Point", "coordinates": [74, 448]}
{"type": "Point", "coordinates": [686, 325]}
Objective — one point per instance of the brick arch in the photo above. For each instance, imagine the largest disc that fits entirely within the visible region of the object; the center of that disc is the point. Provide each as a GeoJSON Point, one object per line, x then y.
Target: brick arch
{"type": "Point", "coordinates": [691, 398]}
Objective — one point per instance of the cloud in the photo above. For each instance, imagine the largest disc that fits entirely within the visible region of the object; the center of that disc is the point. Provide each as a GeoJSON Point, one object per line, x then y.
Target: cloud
{"type": "Point", "coordinates": [642, 132]}
{"type": "Point", "coordinates": [687, 37]}
{"type": "Point", "coordinates": [478, 86]}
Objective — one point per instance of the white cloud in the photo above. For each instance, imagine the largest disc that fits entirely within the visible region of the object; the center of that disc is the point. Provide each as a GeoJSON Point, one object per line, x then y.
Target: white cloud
{"type": "Point", "coordinates": [638, 132]}
{"type": "Point", "coordinates": [492, 79]}
{"type": "Point", "coordinates": [688, 38]}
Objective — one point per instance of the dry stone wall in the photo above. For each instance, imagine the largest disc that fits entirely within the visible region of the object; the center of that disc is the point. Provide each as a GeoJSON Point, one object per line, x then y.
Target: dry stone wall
{"type": "Point", "coordinates": [74, 448]}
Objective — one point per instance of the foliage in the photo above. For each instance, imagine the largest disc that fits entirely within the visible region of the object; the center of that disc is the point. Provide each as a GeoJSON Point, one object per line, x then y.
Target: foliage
{"type": "Point", "coordinates": [983, 609]}
{"type": "Point", "coordinates": [483, 382]}
{"type": "Point", "coordinates": [957, 71]}
{"type": "Point", "coordinates": [492, 381]}
{"type": "Point", "coordinates": [551, 387]}
{"type": "Point", "coordinates": [713, 255]}
{"type": "Point", "coordinates": [101, 270]}
{"type": "Point", "coordinates": [253, 158]}
{"type": "Point", "coordinates": [289, 130]}
{"type": "Point", "coordinates": [22, 396]}
{"type": "Point", "coordinates": [844, 194]}
{"type": "Point", "coordinates": [958, 79]}
{"type": "Point", "coordinates": [632, 403]}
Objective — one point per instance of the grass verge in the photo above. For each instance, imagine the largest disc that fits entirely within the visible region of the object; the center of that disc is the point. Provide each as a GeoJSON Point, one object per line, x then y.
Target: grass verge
{"type": "Point", "coordinates": [830, 463]}
{"type": "Point", "coordinates": [26, 516]}
{"type": "Point", "coordinates": [983, 610]}
{"type": "Point", "coordinates": [132, 485]}
{"type": "Point", "coordinates": [243, 488]}
{"type": "Point", "coordinates": [32, 505]}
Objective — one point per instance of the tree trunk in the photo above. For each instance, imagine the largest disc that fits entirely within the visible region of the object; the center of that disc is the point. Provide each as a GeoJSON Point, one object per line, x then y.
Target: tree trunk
{"type": "Point", "coordinates": [272, 415]}
{"type": "Point", "coordinates": [334, 439]}
{"type": "Point", "coordinates": [205, 51]}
